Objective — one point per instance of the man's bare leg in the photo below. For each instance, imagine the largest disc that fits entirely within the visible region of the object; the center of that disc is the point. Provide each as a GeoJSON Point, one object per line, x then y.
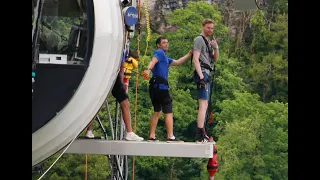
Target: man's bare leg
{"type": "Point", "coordinates": [168, 119]}
{"type": "Point", "coordinates": [89, 132]}
{"type": "Point", "coordinates": [153, 124]}
{"type": "Point", "coordinates": [201, 135]}
{"type": "Point", "coordinates": [90, 126]}
{"type": "Point", "coordinates": [203, 105]}
{"type": "Point", "coordinates": [125, 109]}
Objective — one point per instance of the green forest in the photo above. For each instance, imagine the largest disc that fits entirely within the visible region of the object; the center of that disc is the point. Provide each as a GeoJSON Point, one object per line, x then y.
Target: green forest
{"type": "Point", "coordinates": [249, 101]}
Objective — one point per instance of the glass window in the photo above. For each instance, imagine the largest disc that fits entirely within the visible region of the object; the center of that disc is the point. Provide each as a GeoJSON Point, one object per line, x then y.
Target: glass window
{"type": "Point", "coordinates": [62, 37]}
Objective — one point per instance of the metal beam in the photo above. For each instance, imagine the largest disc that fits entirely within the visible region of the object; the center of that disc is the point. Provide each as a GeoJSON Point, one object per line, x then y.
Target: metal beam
{"type": "Point", "coordinates": [141, 148]}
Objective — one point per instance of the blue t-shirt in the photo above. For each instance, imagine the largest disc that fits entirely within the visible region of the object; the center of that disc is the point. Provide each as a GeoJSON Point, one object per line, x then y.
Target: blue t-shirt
{"type": "Point", "coordinates": [161, 68]}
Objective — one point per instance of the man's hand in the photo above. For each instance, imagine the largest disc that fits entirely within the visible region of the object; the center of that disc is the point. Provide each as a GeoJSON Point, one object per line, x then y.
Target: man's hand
{"type": "Point", "coordinates": [146, 73]}
{"type": "Point", "coordinates": [202, 83]}
{"type": "Point", "coordinates": [214, 43]}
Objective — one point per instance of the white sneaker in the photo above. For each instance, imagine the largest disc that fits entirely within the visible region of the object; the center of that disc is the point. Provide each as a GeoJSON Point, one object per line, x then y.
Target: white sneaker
{"type": "Point", "coordinates": [131, 136]}
{"type": "Point", "coordinates": [89, 134]}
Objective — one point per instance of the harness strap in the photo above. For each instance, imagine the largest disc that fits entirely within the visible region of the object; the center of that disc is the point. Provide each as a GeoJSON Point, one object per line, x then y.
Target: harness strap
{"type": "Point", "coordinates": [202, 64]}
{"type": "Point", "coordinates": [206, 66]}
{"type": "Point", "coordinates": [158, 80]}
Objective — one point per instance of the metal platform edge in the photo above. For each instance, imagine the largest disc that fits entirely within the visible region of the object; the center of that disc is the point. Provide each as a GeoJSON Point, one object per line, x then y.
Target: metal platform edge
{"type": "Point", "coordinates": [141, 148]}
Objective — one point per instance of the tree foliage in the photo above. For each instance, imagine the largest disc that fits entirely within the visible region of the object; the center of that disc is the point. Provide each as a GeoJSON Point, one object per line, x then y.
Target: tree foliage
{"type": "Point", "coordinates": [254, 138]}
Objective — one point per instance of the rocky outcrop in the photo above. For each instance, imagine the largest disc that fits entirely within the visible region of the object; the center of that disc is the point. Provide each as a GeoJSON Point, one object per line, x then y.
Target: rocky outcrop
{"type": "Point", "coordinates": [234, 19]}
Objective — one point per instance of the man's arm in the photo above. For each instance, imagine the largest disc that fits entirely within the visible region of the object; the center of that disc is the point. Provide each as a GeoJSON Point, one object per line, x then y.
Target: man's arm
{"type": "Point", "coordinates": [181, 60]}
{"type": "Point", "coordinates": [153, 61]}
{"type": "Point", "coordinates": [197, 46]}
{"type": "Point", "coordinates": [196, 63]}
{"type": "Point", "coordinates": [215, 52]}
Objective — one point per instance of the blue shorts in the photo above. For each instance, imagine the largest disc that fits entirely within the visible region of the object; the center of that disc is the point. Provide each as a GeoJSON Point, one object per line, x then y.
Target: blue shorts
{"type": "Point", "coordinates": [203, 93]}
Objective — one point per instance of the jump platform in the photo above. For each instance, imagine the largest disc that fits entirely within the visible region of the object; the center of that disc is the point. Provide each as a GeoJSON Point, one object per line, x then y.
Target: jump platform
{"type": "Point", "coordinates": [141, 148]}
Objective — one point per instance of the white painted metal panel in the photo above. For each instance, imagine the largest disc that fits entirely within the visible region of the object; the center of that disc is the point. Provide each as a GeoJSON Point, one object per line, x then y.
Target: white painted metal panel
{"type": "Point", "coordinates": [94, 88]}
{"type": "Point", "coordinates": [141, 148]}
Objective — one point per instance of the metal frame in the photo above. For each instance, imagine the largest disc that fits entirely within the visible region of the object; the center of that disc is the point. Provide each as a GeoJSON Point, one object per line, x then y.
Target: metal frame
{"type": "Point", "coordinates": [118, 163]}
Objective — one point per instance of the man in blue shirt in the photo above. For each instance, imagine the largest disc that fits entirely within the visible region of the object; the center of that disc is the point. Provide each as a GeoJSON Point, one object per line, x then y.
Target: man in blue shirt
{"type": "Point", "coordinates": [159, 87]}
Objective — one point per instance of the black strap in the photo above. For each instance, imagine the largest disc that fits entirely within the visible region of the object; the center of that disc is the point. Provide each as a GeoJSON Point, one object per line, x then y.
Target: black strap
{"type": "Point", "coordinates": [207, 44]}
{"type": "Point", "coordinates": [158, 80]}
{"type": "Point", "coordinates": [206, 66]}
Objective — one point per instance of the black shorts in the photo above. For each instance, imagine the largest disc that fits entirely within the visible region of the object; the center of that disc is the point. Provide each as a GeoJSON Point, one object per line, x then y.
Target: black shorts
{"type": "Point", "coordinates": [118, 91]}
{"type": "Point", "coordinates": [161, 100]}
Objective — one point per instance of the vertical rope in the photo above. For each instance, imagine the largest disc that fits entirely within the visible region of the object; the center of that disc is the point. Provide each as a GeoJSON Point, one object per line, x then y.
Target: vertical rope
{"type": "Point", "coordinates": [148, 28]}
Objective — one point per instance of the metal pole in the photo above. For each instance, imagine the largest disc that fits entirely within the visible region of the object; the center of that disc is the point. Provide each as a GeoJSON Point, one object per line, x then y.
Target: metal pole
{"type": "Point", "coordinates": [101, 126]}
